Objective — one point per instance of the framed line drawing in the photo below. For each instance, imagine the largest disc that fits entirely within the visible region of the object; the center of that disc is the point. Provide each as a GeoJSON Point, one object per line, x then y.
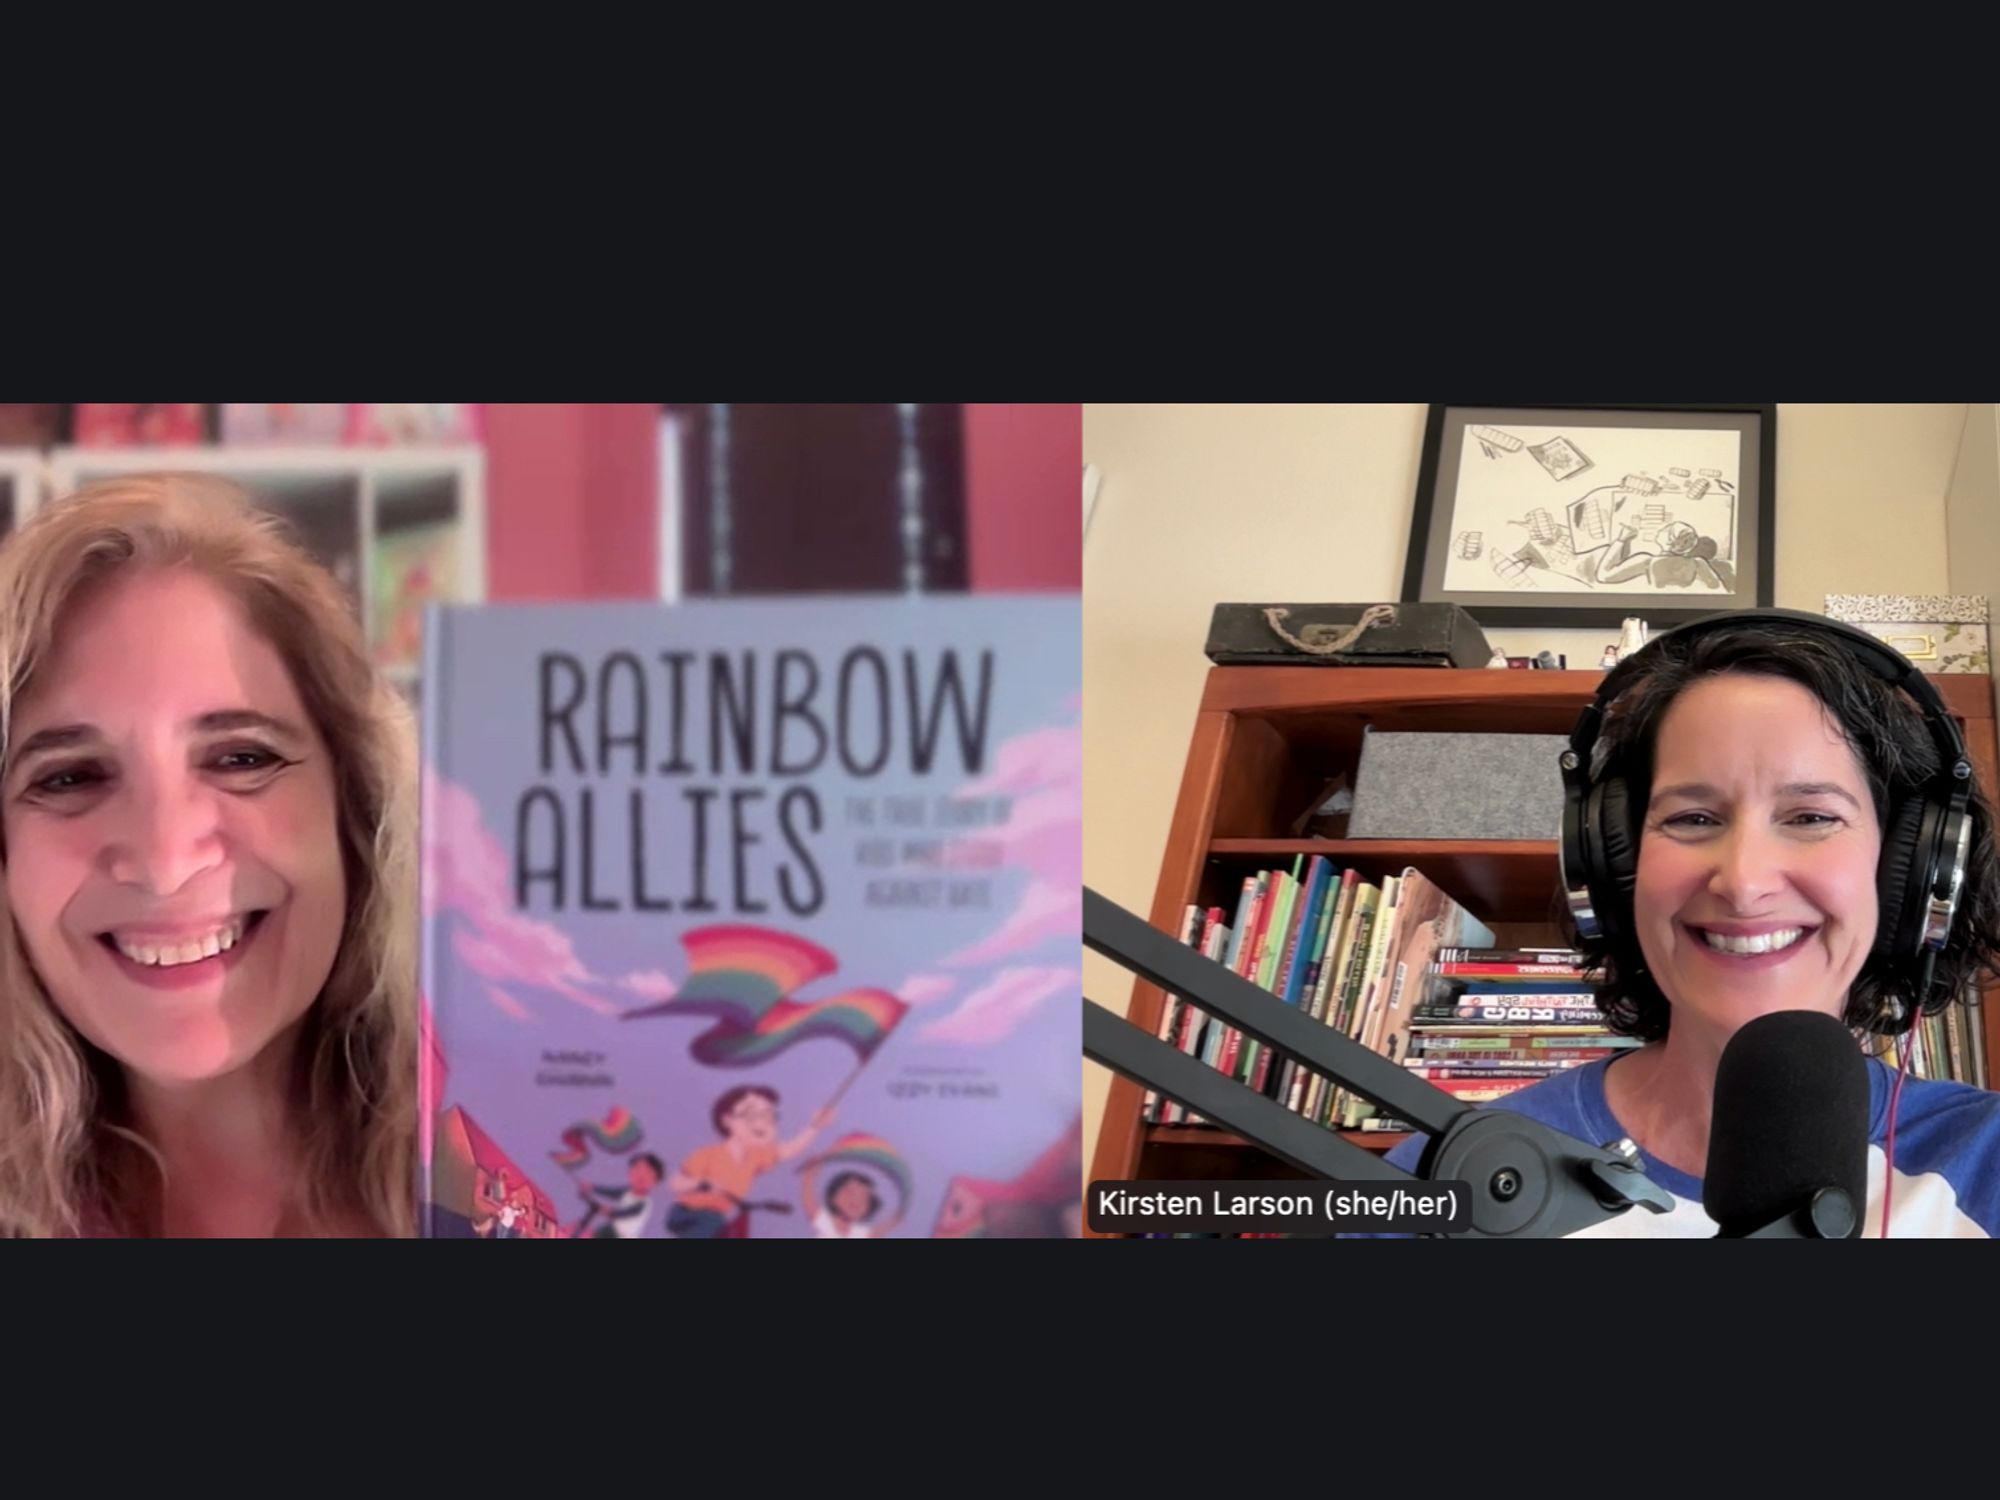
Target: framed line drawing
{"type": "Point", "coordinates": [1578, 516]}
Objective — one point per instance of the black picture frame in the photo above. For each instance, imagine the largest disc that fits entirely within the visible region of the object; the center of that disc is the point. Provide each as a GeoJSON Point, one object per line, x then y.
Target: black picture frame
{"type": "Point", "coordinates": [1678, 585]}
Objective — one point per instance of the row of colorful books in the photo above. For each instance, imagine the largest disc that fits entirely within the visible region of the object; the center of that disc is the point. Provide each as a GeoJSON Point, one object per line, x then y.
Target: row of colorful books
{"type": "Point", "coordinates": [1349, 952]}
{"type": "Point", "coordinates": [1950, 1046]}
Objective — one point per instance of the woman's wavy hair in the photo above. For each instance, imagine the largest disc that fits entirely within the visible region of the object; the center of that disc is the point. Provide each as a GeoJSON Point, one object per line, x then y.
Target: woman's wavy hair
{"type": "Point", "coordinates": [1887, 733]}
{"type": "Point", "coordinates": [70, 1163]}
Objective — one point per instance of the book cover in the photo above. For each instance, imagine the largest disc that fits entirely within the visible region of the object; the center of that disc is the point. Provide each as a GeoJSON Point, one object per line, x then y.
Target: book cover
{"type": "Point", "coordinates": [1428, 918]}
{"type": "Point", "coordinates": [753, 919]}
{"type": "Point", "coordinates": [415, 567]}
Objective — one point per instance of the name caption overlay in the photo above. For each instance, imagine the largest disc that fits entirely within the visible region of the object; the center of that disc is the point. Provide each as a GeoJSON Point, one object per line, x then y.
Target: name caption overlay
{"type": "Point", "coordinates": [1316, 1207]}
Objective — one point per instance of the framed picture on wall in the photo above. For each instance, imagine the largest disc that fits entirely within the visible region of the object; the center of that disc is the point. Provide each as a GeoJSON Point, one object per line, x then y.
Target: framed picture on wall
{"type": "Point", "coordinates": [1582, 515]}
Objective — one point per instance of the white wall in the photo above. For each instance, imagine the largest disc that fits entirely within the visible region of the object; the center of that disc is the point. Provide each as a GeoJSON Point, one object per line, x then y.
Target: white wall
{"type": "Point", "coordinates": [1972, 507]}
{"type": "Point", "coordinates": [1208, 503]}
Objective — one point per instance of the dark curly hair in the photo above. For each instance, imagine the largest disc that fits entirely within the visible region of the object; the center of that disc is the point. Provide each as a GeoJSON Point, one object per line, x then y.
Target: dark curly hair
{"type": "Point", "coordinates": [1887, 733]}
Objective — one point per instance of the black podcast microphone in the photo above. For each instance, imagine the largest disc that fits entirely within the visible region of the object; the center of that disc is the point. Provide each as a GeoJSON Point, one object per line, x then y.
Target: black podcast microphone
{"type": "Point", "coordinates": [1788, 1144]}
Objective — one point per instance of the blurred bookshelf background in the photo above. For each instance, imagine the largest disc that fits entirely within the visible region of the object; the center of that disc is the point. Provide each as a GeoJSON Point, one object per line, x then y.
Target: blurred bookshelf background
{"type": "Point", "coordinates": [411, 503]}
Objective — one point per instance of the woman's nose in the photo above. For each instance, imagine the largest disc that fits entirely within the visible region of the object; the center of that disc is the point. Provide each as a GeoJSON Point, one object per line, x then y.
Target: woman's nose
{"type": "Point", "coordinates": [1749, 868]}
{"type": "Point", "coordinates": [167, 831]}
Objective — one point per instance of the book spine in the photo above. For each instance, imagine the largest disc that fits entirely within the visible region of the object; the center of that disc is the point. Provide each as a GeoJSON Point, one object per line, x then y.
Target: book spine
{"type": "Point", "coordinates": [1333, 971]}
{"type": "Point", "coordinates": [1260, 913]}
{"type": "Point", "coordinates": [1535, 1015]}
{"type": "Point", "coordinates": [1283, 923]}
{"type": "Point", "coordinates": [1449, 969]}
{"type": "Point", "coordinates": [1311, 931]}
{"type": "Point", "coordinates": [1368, 912]}
{"type": "Point", "coordinates": [1157, 1110]}
{"type": "Point", "coordinates": [1431, 1041]}
{"type": "Point", "coordinates": [1368, 1011]}
{"type": "Point", "coordinates": [1567, 956]}
{"type": "Point", "coordinates": [436, 758]}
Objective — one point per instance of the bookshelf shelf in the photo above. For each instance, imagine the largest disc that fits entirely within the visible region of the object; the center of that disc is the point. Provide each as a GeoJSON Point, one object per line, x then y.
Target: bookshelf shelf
{"type": "Point", "coordinates": [1266, 742]}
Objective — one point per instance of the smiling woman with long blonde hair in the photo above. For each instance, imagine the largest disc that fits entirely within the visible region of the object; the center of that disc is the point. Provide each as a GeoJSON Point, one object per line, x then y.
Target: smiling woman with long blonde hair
{"type": "Point", "coordinates": [208, 1004]}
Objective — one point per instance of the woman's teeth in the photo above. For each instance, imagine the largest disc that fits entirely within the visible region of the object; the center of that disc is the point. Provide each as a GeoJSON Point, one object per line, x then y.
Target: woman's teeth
{"type": "Point", "coordinates": [1763, 942]}
{"type": "Point", "coordinates": [187, 951]}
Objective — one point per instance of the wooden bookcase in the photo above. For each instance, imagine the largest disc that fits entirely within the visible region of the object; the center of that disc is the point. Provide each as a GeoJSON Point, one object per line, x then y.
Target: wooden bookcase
{"type": "Point", "coordinates": [1265, 742]}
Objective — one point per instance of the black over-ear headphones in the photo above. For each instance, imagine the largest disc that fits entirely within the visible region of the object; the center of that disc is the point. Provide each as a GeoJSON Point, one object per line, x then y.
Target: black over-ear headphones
{"type": "Point", "coordinates": [1925, 838]}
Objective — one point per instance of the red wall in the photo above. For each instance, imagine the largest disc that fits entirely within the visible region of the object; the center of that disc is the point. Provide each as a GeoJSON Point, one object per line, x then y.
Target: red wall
{"type": "Point", "coordinates": [1024, 492]}
{"type": "Point", "coordinates": [573, 507]}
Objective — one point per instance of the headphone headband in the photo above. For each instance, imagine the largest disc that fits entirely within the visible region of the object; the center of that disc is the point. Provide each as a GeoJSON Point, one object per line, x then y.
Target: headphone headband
{"type": "Point", "coordinates": [1884, 660]}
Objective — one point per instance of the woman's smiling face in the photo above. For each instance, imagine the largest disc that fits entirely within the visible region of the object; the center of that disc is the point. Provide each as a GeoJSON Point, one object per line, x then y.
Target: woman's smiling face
{"type": "Point", "coordinates": [173, 857]}
{"type": "Point", "coordinates": [1756, 885]}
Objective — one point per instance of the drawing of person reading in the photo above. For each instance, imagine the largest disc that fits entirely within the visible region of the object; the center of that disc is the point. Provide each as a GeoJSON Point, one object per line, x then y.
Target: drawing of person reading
{"type": "Point", "coordinates": [1686, 559]}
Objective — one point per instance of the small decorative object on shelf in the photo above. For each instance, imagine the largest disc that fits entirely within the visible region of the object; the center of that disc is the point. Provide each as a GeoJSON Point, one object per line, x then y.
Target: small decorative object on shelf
{"type": "Point", "coordinates": [1326, 817]}
{"type": "Point", "coordinates": [1944, 633]}
{"type": "Point", "coordinates": [1635, 635]}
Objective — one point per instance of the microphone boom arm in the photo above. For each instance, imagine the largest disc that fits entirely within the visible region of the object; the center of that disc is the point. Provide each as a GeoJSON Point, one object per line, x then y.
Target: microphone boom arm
{"type": "Point", "coordinates": [1527, 1180]}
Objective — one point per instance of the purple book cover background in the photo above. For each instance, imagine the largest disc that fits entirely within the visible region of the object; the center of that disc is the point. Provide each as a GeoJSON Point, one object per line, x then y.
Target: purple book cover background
{"type": "Point", "coordinates": [953, 889]}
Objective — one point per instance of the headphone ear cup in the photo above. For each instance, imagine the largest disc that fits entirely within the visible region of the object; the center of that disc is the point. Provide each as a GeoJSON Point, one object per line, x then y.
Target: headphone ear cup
{"type": "Point", "coordinates": [1899, 880]}
{"type": "Point", "coordinates": [1618, 856]}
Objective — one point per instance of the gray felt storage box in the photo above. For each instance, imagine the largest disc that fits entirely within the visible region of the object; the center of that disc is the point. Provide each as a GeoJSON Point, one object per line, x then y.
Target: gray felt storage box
{"type": "Point", "coordinates": [1458, 786]}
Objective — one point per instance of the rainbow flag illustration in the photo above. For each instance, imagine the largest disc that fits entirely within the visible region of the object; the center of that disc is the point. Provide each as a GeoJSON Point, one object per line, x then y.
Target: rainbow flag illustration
{"type": "Point", "coordinates": [861, 1018]}
{"type": "Point", "coordinates": [859, 1149]}
{"type": "Point", "coordinates": [743, 977]}
{"type": "Point", "coordinates": [736, 974]}
{"type": "Point", "coordinates": [619, 1132]}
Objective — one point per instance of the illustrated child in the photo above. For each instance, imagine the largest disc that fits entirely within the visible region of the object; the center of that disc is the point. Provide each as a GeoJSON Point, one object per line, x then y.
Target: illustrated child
{"type": "Point", "coordinates": [625, 1207]}
{"type": "Point", "coordinates": [851, 1202]}
{"type": "Point", "coordinates": [714, 1183]}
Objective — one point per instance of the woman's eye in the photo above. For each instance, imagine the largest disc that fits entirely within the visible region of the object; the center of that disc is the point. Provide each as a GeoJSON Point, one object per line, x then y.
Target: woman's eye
{"type": "Point", "coordinates": [247, 759]}
{"type": "Point", "coordinates": [67, 779]}
{"type": "Point", "coordinates": [1687, 820]}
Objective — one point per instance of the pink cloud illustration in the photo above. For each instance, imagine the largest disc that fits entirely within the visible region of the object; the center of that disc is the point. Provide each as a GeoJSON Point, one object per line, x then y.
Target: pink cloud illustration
{"type": "Point", "coordinates": [993, 1011]}
{"type": "Point", "coordinates": [1041, 772]}
{"type": "Point", "coordinates": [466, 872]}
{"type": "Point", "coordinates": [926, 989]}
{"type": "Point", "coordinates": [650, 984]}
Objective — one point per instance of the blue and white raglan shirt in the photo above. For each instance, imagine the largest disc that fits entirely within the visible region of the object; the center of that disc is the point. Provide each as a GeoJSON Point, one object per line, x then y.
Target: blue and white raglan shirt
{"type": "Point", "coordinates": [1947, 1157]}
